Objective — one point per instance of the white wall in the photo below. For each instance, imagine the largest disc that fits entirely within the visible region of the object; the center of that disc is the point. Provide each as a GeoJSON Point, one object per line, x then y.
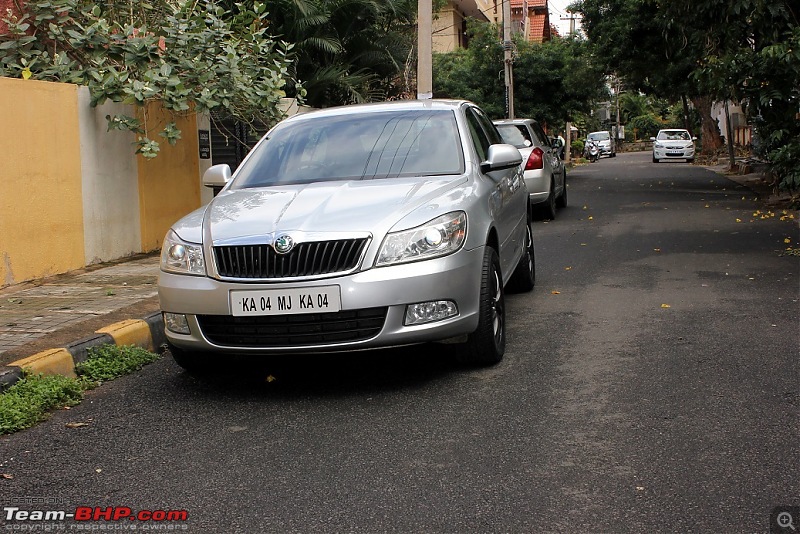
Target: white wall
{"type": "Point", "coordinates": [110, 183]}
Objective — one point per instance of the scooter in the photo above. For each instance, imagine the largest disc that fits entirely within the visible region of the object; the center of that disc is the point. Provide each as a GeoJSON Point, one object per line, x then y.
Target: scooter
{"type": "Point", "coordinates": [592, 151]}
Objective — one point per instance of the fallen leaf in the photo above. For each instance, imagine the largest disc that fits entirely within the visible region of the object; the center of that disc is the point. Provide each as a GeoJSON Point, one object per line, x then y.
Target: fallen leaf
{"type": "Point", "coordinates": [639, 488]}
{"type": "Point", "coordinates": [7, 476]}
{"type": "Point", "coordinates": [554, 292]}
{"type": "Point", "coordinates": [590, 217]}
{"type": "Point", "coordinates": [76, 425]}
{"type": "Point", "coordinates": [738, 220]}
{"type": "Point", "coordinates": [706, 206]}
{"type": "Point", "coordinates": [666, 306]}
{"type": "Point", "coordinates": [657, 249]}
{"type": "Point", "coordinates": [98, 470]}
{"type": "Point", "coordinates": [270, 379]}
{"type": "Point", "coordinates": [567, 268]}
{"type": "Point", "coordinates": [787, 240]}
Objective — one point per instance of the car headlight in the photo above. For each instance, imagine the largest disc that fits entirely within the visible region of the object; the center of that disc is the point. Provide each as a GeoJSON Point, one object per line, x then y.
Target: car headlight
{"type": "Point", "coordinates": [178, 256]}
{"type": "Point", "coordinates": [658, 145]}
{"type": "Point", "coordinates": [438, 237]}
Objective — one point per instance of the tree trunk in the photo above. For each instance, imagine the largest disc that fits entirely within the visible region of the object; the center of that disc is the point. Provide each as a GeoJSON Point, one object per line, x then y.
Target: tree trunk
{"type": "Point", "coordinates": [712, 141]}
{"type": "Point", "coordinates": [686, 123]}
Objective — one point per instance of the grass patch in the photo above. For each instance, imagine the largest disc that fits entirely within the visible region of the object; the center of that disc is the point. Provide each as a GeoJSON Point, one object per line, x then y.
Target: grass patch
{"type": "Point", "coordinates": [30, 400]}
{"type": "Point", "coordinates": [107, 362]}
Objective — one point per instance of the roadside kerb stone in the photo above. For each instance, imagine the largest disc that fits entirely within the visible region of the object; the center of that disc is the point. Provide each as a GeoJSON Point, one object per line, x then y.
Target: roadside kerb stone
{"type": "Point", "coordinates": [147, 333]}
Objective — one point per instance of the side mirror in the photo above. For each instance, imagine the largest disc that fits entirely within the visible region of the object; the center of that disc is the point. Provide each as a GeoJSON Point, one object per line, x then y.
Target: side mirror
{"type": "Point", "coordinates": [652, 138]}
{"type": "Point", "coordinates": [694, 138]}
{"type": "Point", "coordinates": [217, 176]}
{"type": "Point", "coordinates": [500, 157]}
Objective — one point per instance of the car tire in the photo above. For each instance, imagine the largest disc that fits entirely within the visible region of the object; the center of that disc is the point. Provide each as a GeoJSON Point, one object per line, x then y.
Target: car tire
{"type": "Point", "coordinates": [524, 277]}
{"type": "Point", "coordinates": [655, 160]}
{"type": "Point", "coordinates": [194, 363]}
{"type": "Point", "coordinates": [613, 154]}
{"type": "Point", "coordinates": [690, 160]}
{"type": "Point", "coordinates": [549, 205]}
{"type": "Point", "coordinates": [561, 201]}
{"type": "Point", "coordinates": [487, 344]}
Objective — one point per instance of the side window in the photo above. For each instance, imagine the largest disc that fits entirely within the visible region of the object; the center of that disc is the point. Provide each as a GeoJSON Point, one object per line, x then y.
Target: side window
{"type": "Point", "coordinates": [479, 139]}
{"type": "Point", "coordinates": [537, 130]}
{"type": "Point", "coordinates": [489, 127]}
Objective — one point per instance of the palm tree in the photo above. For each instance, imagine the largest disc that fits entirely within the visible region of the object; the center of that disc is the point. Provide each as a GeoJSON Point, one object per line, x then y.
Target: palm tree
{"type": "Point", "coordinates": [346, 50]}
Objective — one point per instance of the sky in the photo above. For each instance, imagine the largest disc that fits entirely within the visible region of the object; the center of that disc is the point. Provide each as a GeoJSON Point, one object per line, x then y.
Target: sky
{"type": "Point", "coordinates": [558, 10]}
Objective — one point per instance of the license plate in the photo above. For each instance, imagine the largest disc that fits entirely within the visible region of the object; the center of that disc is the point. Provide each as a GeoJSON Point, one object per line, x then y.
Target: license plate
{"type": "Point", "coordinates": [322, 299]}
{"type": "Point", "coordinates": [674, 153]}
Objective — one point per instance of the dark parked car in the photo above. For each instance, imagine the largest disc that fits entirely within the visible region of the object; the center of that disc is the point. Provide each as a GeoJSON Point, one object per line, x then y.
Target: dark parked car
{"type": "Point", "coordinates": [350, 228]}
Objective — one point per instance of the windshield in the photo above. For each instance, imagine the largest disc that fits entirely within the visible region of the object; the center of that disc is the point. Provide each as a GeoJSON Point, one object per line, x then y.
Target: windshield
{"type": "Point", "coordinates": [367, 145]}
{"type": "Point", "coordinates": [674, 135]}
{"type": "Point", "coordinates": [599, 136]}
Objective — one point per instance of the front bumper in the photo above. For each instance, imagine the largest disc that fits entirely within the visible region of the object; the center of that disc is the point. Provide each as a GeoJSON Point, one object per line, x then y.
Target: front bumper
{"type": "Point", "coordinates": [456, 278]}
{"type": "Point", "coordinates": [673, 153]}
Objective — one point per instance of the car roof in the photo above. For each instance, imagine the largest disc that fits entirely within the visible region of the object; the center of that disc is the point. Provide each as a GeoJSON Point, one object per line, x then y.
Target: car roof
{"type": "Point", "coordinates": [437, 104]}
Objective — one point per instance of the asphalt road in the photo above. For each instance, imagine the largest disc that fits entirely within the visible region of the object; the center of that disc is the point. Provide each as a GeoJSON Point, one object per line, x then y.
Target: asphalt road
{"type": "Point", "coordinates": [650, 384]}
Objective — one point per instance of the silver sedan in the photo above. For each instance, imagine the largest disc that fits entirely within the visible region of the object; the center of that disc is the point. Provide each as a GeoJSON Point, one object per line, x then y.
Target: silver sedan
{"type": "Point", "coordinates": [349, 228]}
{"type": "Point", "coordinates": [544, 172]}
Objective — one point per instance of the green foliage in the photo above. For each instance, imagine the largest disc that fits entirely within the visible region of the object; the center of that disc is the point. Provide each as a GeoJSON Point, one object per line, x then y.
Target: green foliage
{"type": "Point", "coordinates": [347, 51]}
{"type": "Point", "coordinates": [108, 362]}
{"type": "Point", "coordinates": [188, 57]}
{"type": "Point", "coordinates": [554, 82]}
{"type": "Point", "coordinates": [475, 73]}
{"type": "Point", "coordinates": [645, 126]}
{"type": "Point", "coordinates": [28, 401]}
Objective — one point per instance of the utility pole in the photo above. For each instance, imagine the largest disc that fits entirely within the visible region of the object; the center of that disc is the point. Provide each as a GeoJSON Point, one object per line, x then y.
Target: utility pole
{"type": "Point", "coordinates": [617, 141]}
{"type": "Point", "coordinates": [568, 148]}
{"type": "Point", "coordinates": [424, 49]}
{"type": "Point", "coordinates": [508, 58]}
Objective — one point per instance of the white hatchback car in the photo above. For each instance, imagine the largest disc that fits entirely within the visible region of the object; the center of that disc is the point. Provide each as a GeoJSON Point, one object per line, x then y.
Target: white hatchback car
{"type": "Point", "coordinates": [673, 144]}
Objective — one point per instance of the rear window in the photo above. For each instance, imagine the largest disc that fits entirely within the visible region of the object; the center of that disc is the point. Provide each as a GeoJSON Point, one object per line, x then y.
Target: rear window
{"type": "Point", "coordinates": [515, 134]}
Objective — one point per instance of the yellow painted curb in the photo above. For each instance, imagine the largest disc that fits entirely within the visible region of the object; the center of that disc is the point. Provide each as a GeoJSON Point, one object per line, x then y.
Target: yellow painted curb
{"type": "Point", "coordinates": [130, 332]}
{"type": "Point", "coordinates": [49, 362]}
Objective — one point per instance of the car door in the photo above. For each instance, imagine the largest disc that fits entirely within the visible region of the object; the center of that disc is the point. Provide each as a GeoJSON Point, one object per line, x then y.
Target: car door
{"type": "Point", "coordinates": [509, 197]}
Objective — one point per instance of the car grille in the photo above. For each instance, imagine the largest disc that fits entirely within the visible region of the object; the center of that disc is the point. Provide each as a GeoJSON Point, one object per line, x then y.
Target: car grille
{"type": "Point", "coordinates": [293, 330]}
{"type": "Point", "coordinates": [305, 259]}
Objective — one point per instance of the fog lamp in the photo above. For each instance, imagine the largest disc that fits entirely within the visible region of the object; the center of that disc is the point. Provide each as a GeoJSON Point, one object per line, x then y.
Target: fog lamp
{"type": "Point", "coordinates": [176, 322]}
{"type": "Point", "coordinates": [428, 312]}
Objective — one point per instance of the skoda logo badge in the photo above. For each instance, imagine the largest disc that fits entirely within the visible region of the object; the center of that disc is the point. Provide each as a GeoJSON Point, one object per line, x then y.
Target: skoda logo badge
{"type": "Point", "coordinates": [284, 244]}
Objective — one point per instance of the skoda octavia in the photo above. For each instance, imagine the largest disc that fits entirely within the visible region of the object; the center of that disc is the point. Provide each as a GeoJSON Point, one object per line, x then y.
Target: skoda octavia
{"type": "Point", "coordinates": [351, 228]}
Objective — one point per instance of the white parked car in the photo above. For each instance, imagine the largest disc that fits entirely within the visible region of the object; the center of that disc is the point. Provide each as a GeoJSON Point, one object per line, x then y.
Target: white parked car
{"type": "Point", "coordinates": [351, 228]}
{"type": "Point", "coordinates": [673, 144]}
